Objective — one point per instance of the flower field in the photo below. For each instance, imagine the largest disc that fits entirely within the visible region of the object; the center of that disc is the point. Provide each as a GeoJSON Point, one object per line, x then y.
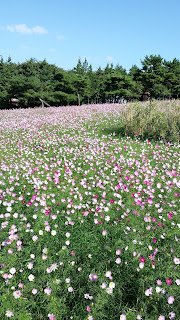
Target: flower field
{"type": "Point", "coordinates": [89, 225]}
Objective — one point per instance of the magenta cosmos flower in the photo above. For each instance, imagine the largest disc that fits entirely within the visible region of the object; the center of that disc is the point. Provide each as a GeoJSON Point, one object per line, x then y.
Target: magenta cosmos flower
{"type": "Point", "coordinates": [169, 281]}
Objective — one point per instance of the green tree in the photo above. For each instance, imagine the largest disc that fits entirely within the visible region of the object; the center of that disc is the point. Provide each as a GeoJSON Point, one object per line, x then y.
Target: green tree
{"type": "Point", "coordinates": [172, 78]}
{"type": "Point", "coordinates": [153, 76]}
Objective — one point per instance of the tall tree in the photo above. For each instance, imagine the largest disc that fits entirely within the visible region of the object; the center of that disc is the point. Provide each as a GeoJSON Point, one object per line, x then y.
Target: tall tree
{"type": "Point", "coordinates": [153, 75]}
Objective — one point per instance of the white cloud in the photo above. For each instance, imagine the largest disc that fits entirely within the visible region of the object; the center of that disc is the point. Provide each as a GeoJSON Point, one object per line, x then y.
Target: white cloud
{"type": "Point", "coordinates": [109, 59]}
{"type": "Point", "coordinates": [23, 28]}
{"type": "Point", "coordinates": [27, 47]}
{"type": "Point", "coordinates": [60, 37]}
{"type": "Point", "coordinates": [52, 50]}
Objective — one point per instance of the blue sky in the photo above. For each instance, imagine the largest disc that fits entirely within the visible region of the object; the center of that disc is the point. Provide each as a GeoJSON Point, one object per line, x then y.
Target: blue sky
{"type": "Point", "coordinates": [115, 31]}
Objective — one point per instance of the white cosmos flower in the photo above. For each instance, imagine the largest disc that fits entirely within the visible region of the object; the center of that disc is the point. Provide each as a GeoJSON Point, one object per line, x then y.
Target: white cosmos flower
{"type": "Point", "coordinates": [158, 289]}
{"type": "Point", "coordinates": [12, 270]}
{"type": "Point", "coordinates": [141, 265]}
{"type": "Point", "coordinates": [35, 238]}
{"type": "Point", "coordinates": [176, 260]}
{"type": "Point", "coordinates": [109, 290]}
{"type": "Point", "coordinates": [68, 234]}
{"type": "Point", "coordinates": [112, 285]}
{"type": "Point", "coordinates": [104, 285]}
{"type": "Point", "coordinates": [30, 265]}
{"type": "Point", "coordinates": [31, 277]}
{"type": "Point", "coordinates": [53, 232]}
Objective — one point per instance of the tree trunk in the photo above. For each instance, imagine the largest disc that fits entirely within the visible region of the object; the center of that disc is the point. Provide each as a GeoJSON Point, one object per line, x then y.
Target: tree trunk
{"type": "Point", "coordinates": [79, 102]}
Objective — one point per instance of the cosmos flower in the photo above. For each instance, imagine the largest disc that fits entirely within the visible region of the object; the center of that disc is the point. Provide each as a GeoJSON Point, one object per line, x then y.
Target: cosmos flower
{"type": "Point", "coordinates": [109, 290]}
{"type": "Point", "coordinates": [171, 300]}
{"type": "Point", "coordinates": [31, 277]}
{"type": "Point", "coordinates": [169, 281]}
{"type": "Point", "coordinates": [17, 294]}
{"type": "Point", "coordinates": [9, 314]}
{"type": "Point", "coordinates": [48, 291]}
{"type": "Point", "coordinates": [12, 270]}
{"type": "Point", "coordinates": [93, 277]}
{"type": "Point", "coordinates": [51, 316]}
{"type": "Point", "coordinates": [34, 291]}
{"type": "Point", "coordinates": [172, 315]}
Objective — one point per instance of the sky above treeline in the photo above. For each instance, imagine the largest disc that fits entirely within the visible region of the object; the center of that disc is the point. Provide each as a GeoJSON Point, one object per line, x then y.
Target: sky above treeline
{"type": "Point", "coordinates": [62, 31]}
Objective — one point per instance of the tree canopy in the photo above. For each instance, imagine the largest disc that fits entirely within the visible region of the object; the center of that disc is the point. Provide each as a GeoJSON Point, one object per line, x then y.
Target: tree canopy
{"type": "Point", "coordinates": [31, 80]}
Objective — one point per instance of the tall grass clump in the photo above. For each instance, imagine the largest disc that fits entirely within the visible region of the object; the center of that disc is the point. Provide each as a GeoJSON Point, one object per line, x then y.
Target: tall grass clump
{"type": "Point", "coordinates": [154, 120]}
{"type": "Point", "coordinates": [89, 222]}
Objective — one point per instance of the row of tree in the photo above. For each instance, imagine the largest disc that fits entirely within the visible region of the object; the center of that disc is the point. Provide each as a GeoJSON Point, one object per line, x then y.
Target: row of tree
{"type": "Point", "coordinates": [33, 80]}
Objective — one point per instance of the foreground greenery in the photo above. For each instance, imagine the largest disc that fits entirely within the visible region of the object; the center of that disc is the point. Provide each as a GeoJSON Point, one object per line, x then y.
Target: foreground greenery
{"type": "Point", "coordinates": [89, 215]}
{"type": "Point", "coordinates": [31, 80]}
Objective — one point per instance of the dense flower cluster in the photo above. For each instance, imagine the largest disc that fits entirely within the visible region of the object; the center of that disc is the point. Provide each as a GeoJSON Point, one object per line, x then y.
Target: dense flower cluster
{"type": "Point", "coordinates": [86, 216]}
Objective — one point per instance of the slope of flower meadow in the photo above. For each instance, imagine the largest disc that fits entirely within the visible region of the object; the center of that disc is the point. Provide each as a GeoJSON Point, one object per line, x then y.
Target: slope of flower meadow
{"type": "Point", "coordinates": [88, 222]}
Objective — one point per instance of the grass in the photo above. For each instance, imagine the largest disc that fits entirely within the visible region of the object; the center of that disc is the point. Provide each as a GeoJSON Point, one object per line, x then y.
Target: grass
{"type": "Point", "coordinates": [89, 215]}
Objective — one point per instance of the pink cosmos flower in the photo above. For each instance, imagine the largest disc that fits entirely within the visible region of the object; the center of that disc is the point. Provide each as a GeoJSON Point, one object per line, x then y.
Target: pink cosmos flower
{"type": "Point", "coordinates": [20, 285]}
{"type": "Point", "coordinates": [48, 291]}
{"type": "Point", "coordinates": [93, 277]}
{"type": "Point", "coordinates": [176, 194]}
{"type": "Point", "coordinates": [51, 316]}
{"type": "Point", "coordinates": [171, 300]}
{"type": "Point", "coordinates": [149, 200]}
{"type": "Point", "coordinates": [17, 294]}
{"type": "Point", "coordinates": [47, 228]}
{"type": "Point", "coordinates": [34, 291]}
{"type": "Point", "coordinates": [172, 315]}
{"type": "Point", "coordinates": [88, 309]}
{"type": "Point", "coordinates": [118, 261]}
{"type": "Point", "coordinates": [170, 215]}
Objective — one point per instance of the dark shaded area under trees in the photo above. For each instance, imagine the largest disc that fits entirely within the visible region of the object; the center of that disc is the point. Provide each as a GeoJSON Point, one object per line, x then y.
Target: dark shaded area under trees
{"type": "Point", "coordinates": [31, 80]}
